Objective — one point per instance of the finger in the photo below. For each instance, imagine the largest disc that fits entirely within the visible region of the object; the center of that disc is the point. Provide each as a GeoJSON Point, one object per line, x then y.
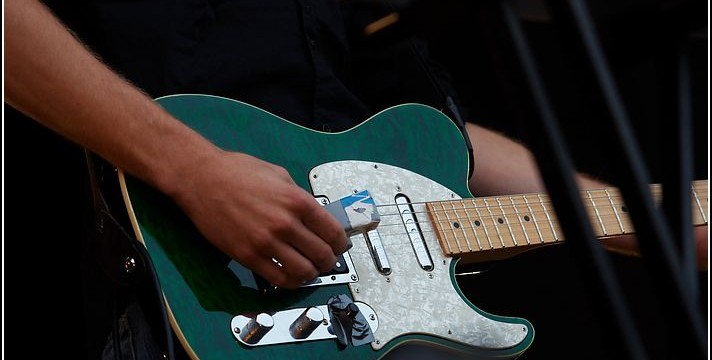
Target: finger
{"type": "Point", "coordinates": [271, 272]}
{"type": "Point", "coordinates": [313, 248]}
{"type": "Point", "coordinates": [298, 268]}
{"type": "Point", "coordinates": [326, 227]}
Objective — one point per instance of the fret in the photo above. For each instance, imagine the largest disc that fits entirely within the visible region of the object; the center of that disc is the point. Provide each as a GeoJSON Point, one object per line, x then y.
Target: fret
{"type": "Point", "coordinates": [506, 220]}
{"type": "Point", "coordinates": [457, 218]}
{"type": "Point", "coordinates": [472, 224]}
{"type": "Point", "coordinates": [548, 218]}
{"type": "Point", "coordinates": [615, 211]}
{"type": "Point", "coordinates": [449, 224]}
{"type": "Point", "coordinates": [536, 223]}
{"type": "Point", "coordinates": [699, 205]}
{"type": "Point", "coordinates": [598, 215]}
{"type": "Point", "coordinates": [521, 222]}
{"type": "Point", "coordinates": [439, 221]}
{"type": "Point", "coordinates": [482, 222]}
{"type": "Point", "coordinates": [494, 222]}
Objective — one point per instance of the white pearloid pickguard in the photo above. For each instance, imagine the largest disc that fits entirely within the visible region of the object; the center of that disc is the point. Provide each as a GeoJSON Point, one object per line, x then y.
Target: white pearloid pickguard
{"type": "Point", "coordinates": [410, 300]}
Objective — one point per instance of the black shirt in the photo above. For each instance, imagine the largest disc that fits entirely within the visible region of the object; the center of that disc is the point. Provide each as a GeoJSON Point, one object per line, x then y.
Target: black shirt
{"type": "Point", "coordinates": [304, 60]}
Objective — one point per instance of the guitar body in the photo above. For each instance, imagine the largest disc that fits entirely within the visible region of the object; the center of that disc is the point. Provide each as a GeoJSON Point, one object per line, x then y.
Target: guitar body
{"type": "Point", "coordinates": [408, 149]}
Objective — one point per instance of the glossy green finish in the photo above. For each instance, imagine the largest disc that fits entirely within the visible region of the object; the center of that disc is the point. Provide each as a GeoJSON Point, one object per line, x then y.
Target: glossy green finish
{"type": "Point", "coordinates": [204, 294]}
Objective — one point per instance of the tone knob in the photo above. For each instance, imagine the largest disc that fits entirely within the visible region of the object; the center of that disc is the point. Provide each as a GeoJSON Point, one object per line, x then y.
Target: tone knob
{"type": "Point", "coordinates": [256, 328]}
{"type": "Point", "coordinates": [305, 324]}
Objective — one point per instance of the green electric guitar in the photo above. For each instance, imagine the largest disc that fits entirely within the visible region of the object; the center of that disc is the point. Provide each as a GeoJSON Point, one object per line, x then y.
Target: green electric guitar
{"type": "Point", "coordinates": [396, 286]}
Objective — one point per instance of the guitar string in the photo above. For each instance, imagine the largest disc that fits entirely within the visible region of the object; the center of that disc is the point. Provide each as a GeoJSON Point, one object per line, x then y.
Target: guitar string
{"type": "Point", "coordinates": [610, 193]}
{"type": "Point", "coordinates": [519, 228]}
{"type": "Point", "coordinates": [604, 206]}
{"type": "Point", "coordinates": [464, 228]}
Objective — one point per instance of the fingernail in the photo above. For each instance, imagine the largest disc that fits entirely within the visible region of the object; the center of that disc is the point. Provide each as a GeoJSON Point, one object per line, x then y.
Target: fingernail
{"type": "Point", "coordinates": [349, 244]}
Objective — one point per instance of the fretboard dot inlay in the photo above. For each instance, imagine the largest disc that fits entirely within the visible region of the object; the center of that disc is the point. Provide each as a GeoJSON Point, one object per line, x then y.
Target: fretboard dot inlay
{"type": "Point", "coordinates": [500, 221]}
{"type": "Point", "coordinates": [526, 218]}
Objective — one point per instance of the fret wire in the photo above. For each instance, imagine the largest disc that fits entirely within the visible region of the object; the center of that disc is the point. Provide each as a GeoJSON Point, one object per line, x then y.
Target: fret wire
{"type": "Point", "coordinates": [439, 224]}
{"type": "Point", "coordinates": [548, 218]}
{"type": "Point", "coordinates": [506, 220]}
{"type": "Point", "coordinates": [464, 234]}
{"type": "Point", "coordinates": [598, 215]}
{"type": "Point", "coordinates": [474, 229]}
{"type": "Point", "coordinates": [615, 211]}
{"type": "Point", "coordinates": [477, 209]}
{"type": "Point", "coordinates": [489, 209]}
{"type": "Point", "coordinates": [536, 223]}
{"type": "Point", "coordinates": [699, 206]}
{"type": "Point", "coordinates": [516, 212]}
{"type": "Point", "coordinates": [449, 222]}
{"type": "Point", "coordinates": [442, 206]}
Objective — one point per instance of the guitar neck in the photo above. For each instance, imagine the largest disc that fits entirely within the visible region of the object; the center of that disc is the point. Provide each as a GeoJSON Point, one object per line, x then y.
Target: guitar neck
{"type": "Point", "coordinates": [514, 223]}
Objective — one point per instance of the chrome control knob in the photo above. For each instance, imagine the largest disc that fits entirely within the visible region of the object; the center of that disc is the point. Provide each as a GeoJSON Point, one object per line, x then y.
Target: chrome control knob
{"type": "Point", "coordinates": [256, 328]}
{"type": "Point", "coordinates": [305, 324]}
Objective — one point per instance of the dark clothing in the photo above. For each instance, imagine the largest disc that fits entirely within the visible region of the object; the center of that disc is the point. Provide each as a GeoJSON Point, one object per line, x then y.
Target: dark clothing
{"type": "Point", "coordinates": [305, 61]}
{"type": "Point", "coordinates": [296, 59]}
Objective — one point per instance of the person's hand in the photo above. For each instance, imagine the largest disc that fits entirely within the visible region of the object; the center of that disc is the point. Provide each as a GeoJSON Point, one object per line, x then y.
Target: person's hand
{"type": "Point", "coordinates": [254, 212]}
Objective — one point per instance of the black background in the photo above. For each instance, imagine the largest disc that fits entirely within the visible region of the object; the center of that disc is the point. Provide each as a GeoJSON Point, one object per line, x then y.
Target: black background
{"type": "Point", "coordinates": [45, 182]}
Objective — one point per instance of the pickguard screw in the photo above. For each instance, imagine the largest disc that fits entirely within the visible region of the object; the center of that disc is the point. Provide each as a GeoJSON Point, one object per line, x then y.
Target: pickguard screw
{"type": "Point", "coordinates": [378, 342]}
{"type": "Point", "coordinates": [449, 332]}
{"type": "Point", "coordinates": [353, 277]}
{"type": "Point", "coordinates": [315, 176]}
{"type": "Point", "coordinates": [452, 195]}
{"type": "Point", "coordinates": [372, 317]}
{"type": "Point", "coordinates": [375, 166]}
{"type": "Point", "coordinates": [388, 279]}
{"type": "Point", "coordinates": [398, 188]}
{"type": "Point", "coordinates": [430, 275]}
{"type": "Point", "coordinates": [357, 290]}
{"type": "Point", "coordinates": [236, 330]}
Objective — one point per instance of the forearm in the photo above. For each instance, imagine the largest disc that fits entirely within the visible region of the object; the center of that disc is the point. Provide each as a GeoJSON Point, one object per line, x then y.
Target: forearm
{"type": "Point", "coordinates": [53, 78]}
{"type": "Point", "coordinates": [503, 166]}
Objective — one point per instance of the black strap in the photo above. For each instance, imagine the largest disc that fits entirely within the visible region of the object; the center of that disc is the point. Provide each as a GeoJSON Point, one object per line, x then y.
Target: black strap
{"type": "Point", "coordinates": [123, 259]}
{"type": "Point", "coordinates": [117, 252]}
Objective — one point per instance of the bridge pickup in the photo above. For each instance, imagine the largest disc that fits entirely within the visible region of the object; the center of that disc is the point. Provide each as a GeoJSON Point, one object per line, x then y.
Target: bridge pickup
{"type": "Point", "coordinates": [410, 221]}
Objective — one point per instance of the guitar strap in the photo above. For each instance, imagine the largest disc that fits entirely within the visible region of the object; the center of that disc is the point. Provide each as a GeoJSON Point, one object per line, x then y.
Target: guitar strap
{"type": "Point", "coordinates": [123, 259]}
{"type": "Point", "coordinates": [450, 106]}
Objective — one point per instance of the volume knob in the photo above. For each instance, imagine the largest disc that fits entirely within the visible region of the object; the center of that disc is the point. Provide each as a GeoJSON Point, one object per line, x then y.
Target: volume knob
{"type": "Point", "coordinates": [256, 328]}
{"type": "Point", "coordinates": [306, 323]}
